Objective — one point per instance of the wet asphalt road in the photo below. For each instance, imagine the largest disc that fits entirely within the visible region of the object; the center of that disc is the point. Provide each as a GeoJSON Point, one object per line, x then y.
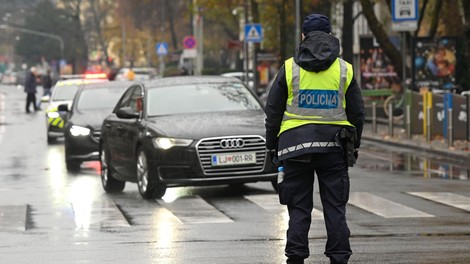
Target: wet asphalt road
{"type": "Point", "coordinates": [405, 207]}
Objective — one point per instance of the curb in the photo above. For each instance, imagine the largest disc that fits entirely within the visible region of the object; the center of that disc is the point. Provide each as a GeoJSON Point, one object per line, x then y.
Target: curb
{"type": "Point", "coordinates": [425, 148]}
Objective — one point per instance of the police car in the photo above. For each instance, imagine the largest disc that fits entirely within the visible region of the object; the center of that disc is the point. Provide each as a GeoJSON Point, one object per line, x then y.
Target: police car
{"type": "Point", "coordinates": [63, 93]}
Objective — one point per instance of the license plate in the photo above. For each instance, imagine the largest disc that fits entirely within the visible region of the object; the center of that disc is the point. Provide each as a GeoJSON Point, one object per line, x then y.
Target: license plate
{"type": "Point", "coordinates": [231, 159]}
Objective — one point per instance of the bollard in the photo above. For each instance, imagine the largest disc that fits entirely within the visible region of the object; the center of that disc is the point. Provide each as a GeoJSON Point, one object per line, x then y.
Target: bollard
{"type": "Point", "coordinates": [374, 118]}
{"type": "Point", "coordinates": [428, 124]}
{"type": "Point", "coordinates": [390, 119]}
{"type": "Point", "coordinates": [467, 95]}
{"type": "Point", "coordinates": [408, 121]}
{"type": "Point", "coordinates": [450, 141]}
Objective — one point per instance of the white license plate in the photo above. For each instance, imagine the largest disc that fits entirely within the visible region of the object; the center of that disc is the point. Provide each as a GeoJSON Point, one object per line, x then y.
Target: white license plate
{"type": "Point", "coordinates": [230, 159]}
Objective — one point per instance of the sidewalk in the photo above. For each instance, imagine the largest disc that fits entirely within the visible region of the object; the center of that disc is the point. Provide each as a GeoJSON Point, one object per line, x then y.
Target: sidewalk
{"type": "Point", "coordinates": [460, 149]}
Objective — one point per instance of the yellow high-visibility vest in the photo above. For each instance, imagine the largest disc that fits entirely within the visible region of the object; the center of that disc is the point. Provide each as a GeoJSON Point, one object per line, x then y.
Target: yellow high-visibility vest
{"type": "Point", "coordinates": [316, 97]}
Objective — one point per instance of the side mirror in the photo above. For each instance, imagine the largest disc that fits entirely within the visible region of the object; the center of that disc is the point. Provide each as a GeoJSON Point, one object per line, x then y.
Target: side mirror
{"type": "Point", "coordinates": [63, 108]}
{"type": "Point", "coordinates": [127, 113]}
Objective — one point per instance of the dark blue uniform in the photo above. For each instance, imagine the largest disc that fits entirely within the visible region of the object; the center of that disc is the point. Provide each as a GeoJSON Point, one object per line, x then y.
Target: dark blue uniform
{"type": "Point", "coordinates": [315, 53]}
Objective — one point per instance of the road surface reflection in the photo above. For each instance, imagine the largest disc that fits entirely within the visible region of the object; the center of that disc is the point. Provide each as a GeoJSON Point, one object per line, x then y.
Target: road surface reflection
{"type": "Point", "coordinates": [382, 157]}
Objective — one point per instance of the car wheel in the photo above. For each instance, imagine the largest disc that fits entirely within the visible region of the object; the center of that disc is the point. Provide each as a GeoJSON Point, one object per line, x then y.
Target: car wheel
{"type": "Point", "coordinates": [109, 183]}
{"type": "Point", "coordinates": [50, 139]}
{"type": "Point", "coordinates": [71, 165]}
{"type": "Point", "coordinates": [148, 189]}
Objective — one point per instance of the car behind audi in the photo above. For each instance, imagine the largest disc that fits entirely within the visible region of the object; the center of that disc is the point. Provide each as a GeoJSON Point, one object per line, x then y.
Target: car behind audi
{"type": "Point", "coordinates": [62, 93]}
{"type": "Point", "coordinates": [91, 104]}
{"type": "Point", "coordinates": [182, 131]}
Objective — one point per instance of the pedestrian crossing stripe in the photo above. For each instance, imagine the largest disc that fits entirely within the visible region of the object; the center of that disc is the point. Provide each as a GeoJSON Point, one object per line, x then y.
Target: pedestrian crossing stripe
{"type": "Point", "coordinates": [98, 214]}
{"type": "Point", "coordinates": [13, 217]}
{"type": "Point", "coordinates": [271, 203]}
{"type": "Point", "coordinates": [105, 213]}
{"type": "Point", "coordinates": [446, 198]}
{"type": "Point", "coordinates": [383, 207]}
{"type": "Point", "coordinates": [195, 210]}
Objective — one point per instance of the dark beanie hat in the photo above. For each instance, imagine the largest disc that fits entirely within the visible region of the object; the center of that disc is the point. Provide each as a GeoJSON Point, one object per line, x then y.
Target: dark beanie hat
{"type": "Point", "coordinates": [316, 22]}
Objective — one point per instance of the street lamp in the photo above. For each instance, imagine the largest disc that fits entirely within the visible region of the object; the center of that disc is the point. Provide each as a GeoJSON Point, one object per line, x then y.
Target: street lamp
{"type": "Point", "coordinates": [39, 33]}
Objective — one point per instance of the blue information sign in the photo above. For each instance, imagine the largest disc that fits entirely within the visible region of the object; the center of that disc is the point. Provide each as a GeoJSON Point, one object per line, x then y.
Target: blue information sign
{"type": "Point", "coordinates": [253, 33]}
{"type": "Point", "coordinates": [161, 48]}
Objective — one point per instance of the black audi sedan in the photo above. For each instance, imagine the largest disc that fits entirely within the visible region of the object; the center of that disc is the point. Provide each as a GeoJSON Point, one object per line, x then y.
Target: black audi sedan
{"type": "Point", "coordinates": [91, 104]}
{"type": "Point", "coordinates": [184, 131]}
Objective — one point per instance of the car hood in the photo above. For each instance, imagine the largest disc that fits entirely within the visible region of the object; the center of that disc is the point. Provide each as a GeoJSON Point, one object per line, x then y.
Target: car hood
{"type": "Point", "coordinates": [91, 118]}
{"type": "Point", "coordinates": [197, 126]}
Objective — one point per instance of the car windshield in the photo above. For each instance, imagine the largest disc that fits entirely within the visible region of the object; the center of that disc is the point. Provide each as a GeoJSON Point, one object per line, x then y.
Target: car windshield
{"type": "Point", "coordinates": [104, 98]}
{"type": "Point", "coordinates": [198, 98]}
{"type": "Point", "coordinates": [64, 93]}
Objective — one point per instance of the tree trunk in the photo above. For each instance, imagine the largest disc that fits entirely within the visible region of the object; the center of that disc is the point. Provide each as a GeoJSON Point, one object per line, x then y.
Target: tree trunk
{"type": "Point", "coordinates": [382, 38]}
{"type": "Point", "coordinates": [171, 21]}
{"type": "Point", "coordinates": [466, 14]}
{"type": "Point", "coordinates": [435, 18]}
{"type": "Point", "coordinates": [99, 32]}
{"type": "Point", "coordinates": [347, 42]}
{"type": "Point", "coordinates": [282, 31]}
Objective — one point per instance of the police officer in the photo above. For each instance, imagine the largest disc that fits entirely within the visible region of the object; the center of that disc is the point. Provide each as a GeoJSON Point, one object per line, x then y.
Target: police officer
{"type": "Point", "coordinates": [313, 108]}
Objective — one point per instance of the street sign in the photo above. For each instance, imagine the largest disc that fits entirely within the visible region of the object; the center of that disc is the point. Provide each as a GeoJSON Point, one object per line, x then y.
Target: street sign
{"type": "Point", "coordinates": [403, 10]}
{"type": "Point", "coordinates": [253, 33]}
{"type": "Point", "coordinates": [161, 48]}
{"type": "Point", "coordinates": [404, 15]}
{"type": "Point", "coordinates": [189, 42]}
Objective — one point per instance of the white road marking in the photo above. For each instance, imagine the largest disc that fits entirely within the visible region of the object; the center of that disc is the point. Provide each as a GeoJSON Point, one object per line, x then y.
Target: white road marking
{"type": "Point", "coordinates": [450, 199]}
{"type": "Point", "coordinates": [98, 214]}
{"type": "Point", "coordinates": [195, 210]}
{"type": "Point", "coordinates": [271, 203]}
{"type": "Point", "coordinates": [13, 217]}
{"type": "Point", "coordinates": [383, 207]}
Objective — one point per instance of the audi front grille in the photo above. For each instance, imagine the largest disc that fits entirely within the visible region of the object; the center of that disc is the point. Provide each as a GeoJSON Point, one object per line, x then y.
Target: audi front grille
{"type": "Point", "coordinates": [227, 145]}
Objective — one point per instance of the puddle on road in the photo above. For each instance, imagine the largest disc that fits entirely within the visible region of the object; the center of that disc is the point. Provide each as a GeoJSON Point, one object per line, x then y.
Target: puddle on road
{"type": "Point", "coordinates": [385, 158]}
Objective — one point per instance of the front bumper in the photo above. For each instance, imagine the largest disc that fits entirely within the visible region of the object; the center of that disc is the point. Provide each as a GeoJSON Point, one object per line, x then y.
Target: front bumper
{"type": "Point", "coordinates": [55, 125]}
{"type": "Point", "coordinates": [191, 166]}
{"type": "Point", "coordinates": [82, 148]}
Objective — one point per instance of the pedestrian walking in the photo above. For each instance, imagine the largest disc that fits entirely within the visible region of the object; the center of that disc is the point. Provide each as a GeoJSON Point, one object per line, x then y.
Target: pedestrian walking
{"type": "Point", "coordinates": [314, 121]}
{"type": "Point", "coordinates": [46, 85]}
{"type": "Point", "coordinates": [30, 89]}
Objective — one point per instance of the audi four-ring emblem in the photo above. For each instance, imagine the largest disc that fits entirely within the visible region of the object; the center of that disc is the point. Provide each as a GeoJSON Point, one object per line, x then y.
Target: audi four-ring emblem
{"type": "Point", "coordinates": [232, 143]}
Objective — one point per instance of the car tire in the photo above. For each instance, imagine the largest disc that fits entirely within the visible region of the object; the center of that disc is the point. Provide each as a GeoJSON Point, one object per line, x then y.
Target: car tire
{"type": "Point", "coordinates": [72, 166]}
{"type": "Point", "coordinates": [148, 188]}
{"type": "Point", "coordinates": [109, 183]}
{"type": "Point", "coordinates": [50, 139]}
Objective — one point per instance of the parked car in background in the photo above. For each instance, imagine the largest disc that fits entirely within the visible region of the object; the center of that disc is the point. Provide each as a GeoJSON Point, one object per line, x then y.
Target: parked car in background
{"type": "Point", "coordinates": [140, 74]}
{"type": "Point", "coordinates": [181, 131]}
{"type": "Point", "coordinates": [91, 104]}
{"type": "Point", "coordinates": [62, 93]}
{"type": "Point", "coordinates": [263, 97]}
{"type": "Point", "coordinates": [242, 76]}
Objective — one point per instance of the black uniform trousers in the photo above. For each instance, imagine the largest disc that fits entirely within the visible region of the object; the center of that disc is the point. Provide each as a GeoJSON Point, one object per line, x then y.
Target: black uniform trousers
{"type": "Point", "coordinates": [31, 99]}
{"type": "Point", "coordinates": [296, 191]}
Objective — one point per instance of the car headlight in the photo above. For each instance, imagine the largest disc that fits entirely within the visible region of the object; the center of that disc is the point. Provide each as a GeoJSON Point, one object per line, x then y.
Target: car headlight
{"type": "Point", "coordinates": [79, 131]}
{"type": "Point", "coordinates": [53, 114]}
{"type": "Point", "coordinates": [166, 143]}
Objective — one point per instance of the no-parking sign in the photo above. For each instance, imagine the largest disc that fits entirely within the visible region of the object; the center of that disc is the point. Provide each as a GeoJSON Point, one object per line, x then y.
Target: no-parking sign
{"type": "Point", "coordinates": [189, 42]}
